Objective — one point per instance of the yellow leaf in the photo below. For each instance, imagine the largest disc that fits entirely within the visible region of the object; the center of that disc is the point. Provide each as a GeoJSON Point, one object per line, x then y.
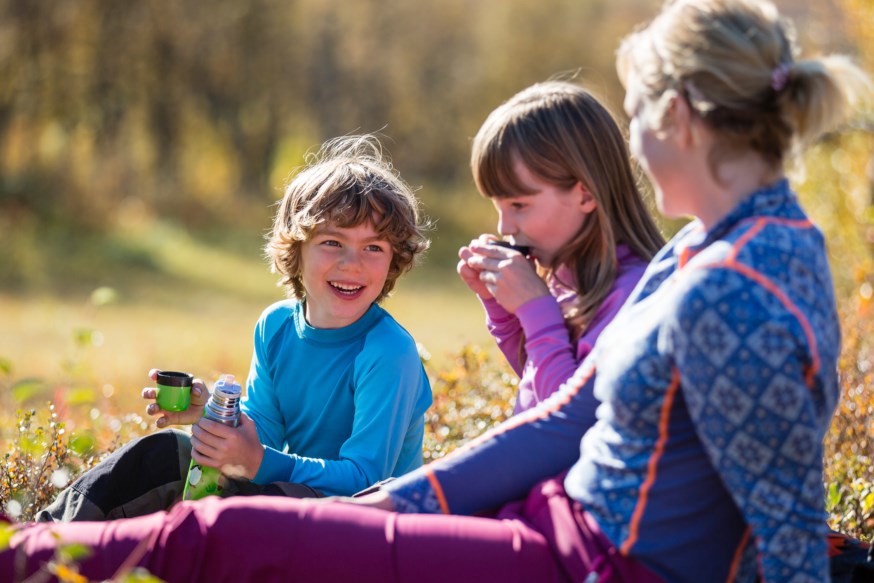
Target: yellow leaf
{"type": "Point", "coordinates": [66, 574]}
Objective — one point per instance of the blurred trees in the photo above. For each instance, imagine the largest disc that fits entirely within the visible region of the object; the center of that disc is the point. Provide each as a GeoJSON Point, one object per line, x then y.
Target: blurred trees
{"type": "Point", "coordinates": [198, 111]}
{"type": "Point", "coordinates": [189, 108]}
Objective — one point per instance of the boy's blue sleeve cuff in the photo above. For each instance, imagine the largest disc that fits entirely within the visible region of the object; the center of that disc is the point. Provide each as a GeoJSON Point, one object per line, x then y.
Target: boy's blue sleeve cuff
{"type": "Point", "coordinates": [275, 467]}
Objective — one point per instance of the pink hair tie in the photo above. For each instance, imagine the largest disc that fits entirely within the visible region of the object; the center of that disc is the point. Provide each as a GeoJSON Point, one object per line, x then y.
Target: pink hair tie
{"type": "Point", "coordinates": [780, 76]}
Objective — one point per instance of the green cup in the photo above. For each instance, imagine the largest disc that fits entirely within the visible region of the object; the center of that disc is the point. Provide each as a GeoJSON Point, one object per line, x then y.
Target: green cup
{"type": "Point", "coordinates": [174, 390]}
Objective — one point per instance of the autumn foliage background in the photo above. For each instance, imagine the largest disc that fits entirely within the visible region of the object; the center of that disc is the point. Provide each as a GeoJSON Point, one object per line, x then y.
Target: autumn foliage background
{"type": "Point", "coordinates": [143, 144]}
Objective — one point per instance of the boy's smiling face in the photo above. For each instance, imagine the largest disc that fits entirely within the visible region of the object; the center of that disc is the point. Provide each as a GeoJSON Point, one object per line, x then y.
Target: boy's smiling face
{"type": "Point", "coordinates": [343, 270]}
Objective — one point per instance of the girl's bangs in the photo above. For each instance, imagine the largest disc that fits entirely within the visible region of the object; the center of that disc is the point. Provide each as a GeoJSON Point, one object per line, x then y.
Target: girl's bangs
{"type": "Point", "coordinates": [495, 174]}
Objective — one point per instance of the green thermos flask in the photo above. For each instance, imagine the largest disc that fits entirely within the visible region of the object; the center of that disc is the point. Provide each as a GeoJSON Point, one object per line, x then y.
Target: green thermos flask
{"type": "Point", "coordinates": [223, 407]}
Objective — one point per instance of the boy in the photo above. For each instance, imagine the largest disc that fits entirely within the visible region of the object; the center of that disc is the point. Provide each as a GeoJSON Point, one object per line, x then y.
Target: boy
{"type": "Point", "coordinates": [336, 392]}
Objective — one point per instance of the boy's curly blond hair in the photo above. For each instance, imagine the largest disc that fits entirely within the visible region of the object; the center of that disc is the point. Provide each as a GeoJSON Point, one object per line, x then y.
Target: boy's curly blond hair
{"type": "Point", "coordinates": [347, 182]}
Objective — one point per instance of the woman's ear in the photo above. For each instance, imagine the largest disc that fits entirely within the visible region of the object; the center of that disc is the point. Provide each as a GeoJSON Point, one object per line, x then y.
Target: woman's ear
{"type": "Point", "coordinates": [587, 199]}
{"type": "Point", "coordinates": [680, 121]}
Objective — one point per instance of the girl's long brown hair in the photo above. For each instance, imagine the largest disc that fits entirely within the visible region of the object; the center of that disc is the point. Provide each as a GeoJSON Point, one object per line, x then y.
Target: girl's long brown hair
{"type": "Point", "coordinates": [564, 135]}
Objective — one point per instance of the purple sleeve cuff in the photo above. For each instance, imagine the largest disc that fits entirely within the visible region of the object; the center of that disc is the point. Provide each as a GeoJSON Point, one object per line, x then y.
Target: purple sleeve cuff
{"type": "Point", "coordinates": [495, 312]}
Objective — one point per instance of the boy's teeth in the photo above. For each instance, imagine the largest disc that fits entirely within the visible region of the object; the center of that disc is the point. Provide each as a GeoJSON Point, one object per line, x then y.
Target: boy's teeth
{"type": "Point", "coordinates": [343, 287]}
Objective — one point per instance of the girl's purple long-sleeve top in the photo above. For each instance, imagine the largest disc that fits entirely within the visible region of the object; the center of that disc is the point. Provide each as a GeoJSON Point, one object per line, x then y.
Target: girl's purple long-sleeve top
{"type": "Point", "coordinates": [549, 357]}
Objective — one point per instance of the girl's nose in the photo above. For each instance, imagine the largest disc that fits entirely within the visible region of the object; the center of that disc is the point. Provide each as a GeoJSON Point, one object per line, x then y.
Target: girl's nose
{"type": "Point", "coordinates": [505, 225]}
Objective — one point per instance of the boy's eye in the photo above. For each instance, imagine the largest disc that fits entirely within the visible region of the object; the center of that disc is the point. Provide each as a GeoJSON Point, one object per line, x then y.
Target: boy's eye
{"type": "Point", "coordinates": [331, 243]}
{"type": "Point", "coordinates": [517, 205]}
{"type": "Point", "coordinates": [375, 248]}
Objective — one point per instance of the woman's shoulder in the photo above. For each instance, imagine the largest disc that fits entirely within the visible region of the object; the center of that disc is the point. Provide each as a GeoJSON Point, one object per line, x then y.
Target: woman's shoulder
{"type": "Point", "coordinates": [776, 263]}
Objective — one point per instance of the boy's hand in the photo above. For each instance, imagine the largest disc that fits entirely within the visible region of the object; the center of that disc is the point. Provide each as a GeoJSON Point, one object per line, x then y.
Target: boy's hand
{"type": "Point", "coordinates": [507, 275]}
{"type": "Point", "coordinates": [237, 451]}
{"type": "Point", "coordinates": [199, 397]}
{"type": "Point", "coordinates": [468, 273]}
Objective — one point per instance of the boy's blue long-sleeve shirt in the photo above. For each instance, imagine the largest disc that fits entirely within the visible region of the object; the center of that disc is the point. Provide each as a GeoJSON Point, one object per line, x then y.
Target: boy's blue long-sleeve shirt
{"type": "Point", "coordinates": [338, 409]}
{"type": "Point", "coordinates": [694, 429]}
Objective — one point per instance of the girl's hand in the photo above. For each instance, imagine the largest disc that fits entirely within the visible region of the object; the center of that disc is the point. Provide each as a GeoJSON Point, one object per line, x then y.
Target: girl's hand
{"type": "Point", "coordinates": [199, 397]}
{"type": "Point", "coordinates": [468, 273]}
{"type": "Point", "coordinates": [237, 451]}
{"type": "Point", "coordinates": [507, 275]}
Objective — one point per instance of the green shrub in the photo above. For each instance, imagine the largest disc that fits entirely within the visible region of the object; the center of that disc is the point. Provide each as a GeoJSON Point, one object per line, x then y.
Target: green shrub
{"type": "Point", "coordinates": [40, 455]}
{"type": "Point", "coordinates": [849, 475]}
{"type": "Point", "coordinates": [472, 394]}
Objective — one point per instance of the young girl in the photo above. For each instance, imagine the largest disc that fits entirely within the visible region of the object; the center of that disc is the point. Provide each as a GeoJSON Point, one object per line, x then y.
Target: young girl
{"type": "Point", "coordinates": [555, 165]}
{"type": "Point", "coordinates": [714, 385]}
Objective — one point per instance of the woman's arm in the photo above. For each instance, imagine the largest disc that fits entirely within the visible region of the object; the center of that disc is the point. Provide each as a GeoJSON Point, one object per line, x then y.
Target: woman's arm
{"type": "Point", "coordinates": [506, 462]}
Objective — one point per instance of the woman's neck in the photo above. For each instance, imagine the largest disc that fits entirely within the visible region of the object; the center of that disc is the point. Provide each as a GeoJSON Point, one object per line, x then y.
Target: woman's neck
{"type": "Point", "coordinates": [735, 180]}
